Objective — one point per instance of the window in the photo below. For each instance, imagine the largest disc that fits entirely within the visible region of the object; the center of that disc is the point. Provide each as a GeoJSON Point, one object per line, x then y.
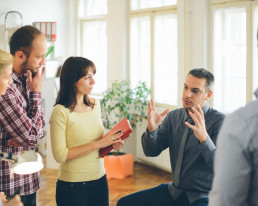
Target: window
{"type": "Point", "coordinates": [154, 50]}
{"type": "Point", "coordinates": [93, 25]}
{"type": "Point", "coordinates": [255, 45]}
{"type": "Point", "coordinates": [165, 59]}
{"type": "Point", "coordinates": [234, 53]}
{"type": "Point", "coordinates": [229, 58]}
{"type": "Point", "coordinates": [88, 8]}
{"type": "Point", "coordinates": [144, 4]}
{"type": "Point", "coordinates": [140, 57]}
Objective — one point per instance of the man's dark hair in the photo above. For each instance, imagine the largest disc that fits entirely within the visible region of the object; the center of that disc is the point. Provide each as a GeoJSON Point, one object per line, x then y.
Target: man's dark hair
{"type": "Point", "coordinates": [22, 39]}
{"type": "Point", "coordinates": [203, 73]}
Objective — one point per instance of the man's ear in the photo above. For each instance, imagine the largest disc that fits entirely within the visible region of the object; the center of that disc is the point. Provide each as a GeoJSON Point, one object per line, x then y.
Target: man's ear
{"type": "Point", "coordinates": [209, 94]}
{"type": "Point", "coordinates": [20, 56]}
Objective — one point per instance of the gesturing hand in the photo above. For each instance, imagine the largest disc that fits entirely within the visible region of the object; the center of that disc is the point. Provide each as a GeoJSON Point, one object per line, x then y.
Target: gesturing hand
{"type": "Point", "coordinates": [112, 139]}
{"type": "Point", "coordinates": [199, 127]}
{"type": "Point", "coordinates": [118, 145]}
{"type": "Point", "coordinates": [35, 83]}
{"type": "Point", "coordinates": [154, 119]}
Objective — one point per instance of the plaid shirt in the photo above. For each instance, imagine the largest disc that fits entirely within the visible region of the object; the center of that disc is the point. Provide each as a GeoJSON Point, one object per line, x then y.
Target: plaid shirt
{"type": "Point", "coordinates": [21, 117]}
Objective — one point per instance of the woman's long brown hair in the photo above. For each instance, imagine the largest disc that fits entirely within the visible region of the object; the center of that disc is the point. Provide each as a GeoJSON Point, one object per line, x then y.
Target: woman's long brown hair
{"type": "Point", "coordinates": [74, 68]}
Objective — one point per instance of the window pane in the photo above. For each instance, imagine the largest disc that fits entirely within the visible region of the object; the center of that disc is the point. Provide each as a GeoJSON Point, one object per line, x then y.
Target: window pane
{"type": "Point", "coordinates": [255, 57]}
{"type": "Point", "coordinates": [144, 4]}
{"type": "Point", "coordinates": [229, 59]}
{"type": "Point", "coordinates": [140, 50]}
{"type": "Point", "coordinates": [92, 7]}
{"type": "Point", "coordinates": [165, 59]}
{"type": "Point", "coordinates": [95, 48]}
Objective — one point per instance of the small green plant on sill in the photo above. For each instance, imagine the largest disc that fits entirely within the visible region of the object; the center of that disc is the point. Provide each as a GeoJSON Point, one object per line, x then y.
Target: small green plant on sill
{"type": "Point", "coordinates": [50, 50]}
{"type": "Point", "coordinates": [121, 101]}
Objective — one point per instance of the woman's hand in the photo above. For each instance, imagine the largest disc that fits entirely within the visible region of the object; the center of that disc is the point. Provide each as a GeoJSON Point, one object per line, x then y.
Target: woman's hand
{"type": "Point", "coordinates": [118, 145]}
{"type": "Point", "coordinates": [113, 139]}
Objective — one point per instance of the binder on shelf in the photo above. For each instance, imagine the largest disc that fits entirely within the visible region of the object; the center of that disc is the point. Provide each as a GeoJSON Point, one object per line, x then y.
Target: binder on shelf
{"type": "Point", "coordinates": [53, 31]}
{"type": "Point", "coordinates": [37, 25]}
{"type": "Point", "coordinates": [43, 28]}
{"type": "Point", "coordinates": [126, 128]}
{"type": "Point", "coordinates": [48, 31]}
{"type": "Point", "coordinates": [47, 28]}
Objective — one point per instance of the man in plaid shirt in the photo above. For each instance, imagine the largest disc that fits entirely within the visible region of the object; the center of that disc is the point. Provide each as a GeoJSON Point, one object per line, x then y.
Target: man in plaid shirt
{"type": "Point", "coordinates": [21, 112]}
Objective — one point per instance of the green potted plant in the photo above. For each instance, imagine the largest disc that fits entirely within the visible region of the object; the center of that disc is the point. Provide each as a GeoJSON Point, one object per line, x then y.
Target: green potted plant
{"type": "Point", "coordinates": [118, 102]}
{"type": "Point", "coordinates": [121, 101]}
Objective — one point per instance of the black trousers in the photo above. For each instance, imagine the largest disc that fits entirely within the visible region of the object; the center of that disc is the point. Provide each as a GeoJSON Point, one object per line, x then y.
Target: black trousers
{"type": "Point", "coordinates": [158, 196]}
{"type": "Point", "coordinates": [29, 200]}
{"type": "Point", "coordinates": [89, 193]}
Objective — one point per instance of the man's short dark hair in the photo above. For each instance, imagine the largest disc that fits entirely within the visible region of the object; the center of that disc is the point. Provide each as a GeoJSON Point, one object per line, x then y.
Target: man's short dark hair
{"type": "Point", "coordinates": [203, 73]}
{"type": "Point", "coordinates": [22, 39]}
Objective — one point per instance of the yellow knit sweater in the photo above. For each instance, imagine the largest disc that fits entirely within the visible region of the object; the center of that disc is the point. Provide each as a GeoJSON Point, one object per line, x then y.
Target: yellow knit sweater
{"type": "Point", "coordinates": [70, 129]}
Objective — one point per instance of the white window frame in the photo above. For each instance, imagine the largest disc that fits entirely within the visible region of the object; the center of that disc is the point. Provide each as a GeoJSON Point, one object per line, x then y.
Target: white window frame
{"type": "Point", "coordinates": [254, 43]}
{"type": "Point", "coordinates": [153, 12]}
{"type": "Point", "coordinates": [250, 39]}
{"type": "Point", "coordinates": [81, 21]}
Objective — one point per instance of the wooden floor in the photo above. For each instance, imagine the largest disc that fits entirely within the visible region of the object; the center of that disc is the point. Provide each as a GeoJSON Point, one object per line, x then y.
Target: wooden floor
{"type": "Point", "coordinates": [144, 177]}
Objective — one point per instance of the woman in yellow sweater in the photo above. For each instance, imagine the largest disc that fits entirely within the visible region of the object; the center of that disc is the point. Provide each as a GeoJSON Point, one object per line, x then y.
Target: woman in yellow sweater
{"type": "Point", "coordinates": [76, 130]}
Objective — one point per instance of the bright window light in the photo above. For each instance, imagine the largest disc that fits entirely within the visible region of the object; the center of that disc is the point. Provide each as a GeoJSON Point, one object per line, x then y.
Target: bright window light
{"type": "Point", "coordinates": [140, 50]}
{"type": "Point", "coordinates": [144, 4]}
{"type": "Point", "coordinates": [94, 47]}
{"type": "Point", "coordinates": [255, 45]}
{"type": "Point", "coordinates": [165, 59]}
{"type": "Point", "coordinates": [92, 8]}
{"type": "Point", "coordinates": [229, 60]}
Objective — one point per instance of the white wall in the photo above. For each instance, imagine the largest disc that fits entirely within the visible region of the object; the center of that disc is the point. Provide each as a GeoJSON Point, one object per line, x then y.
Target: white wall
{"type": "Point", "coordinates": [198, 33]}
{"type": "Point", "coordinates": [39, 10]}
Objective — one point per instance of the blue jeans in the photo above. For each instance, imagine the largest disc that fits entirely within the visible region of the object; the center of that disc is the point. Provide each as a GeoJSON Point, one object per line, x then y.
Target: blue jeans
{"type": "Point", "coordinates": [158, 196]}
{"type": "Point", "coordinates": [82, 193]}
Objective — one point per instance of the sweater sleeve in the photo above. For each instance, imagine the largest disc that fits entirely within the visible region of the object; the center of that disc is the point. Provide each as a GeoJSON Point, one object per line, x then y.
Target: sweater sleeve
{"type": "Point", "coordinates": [58, 124]}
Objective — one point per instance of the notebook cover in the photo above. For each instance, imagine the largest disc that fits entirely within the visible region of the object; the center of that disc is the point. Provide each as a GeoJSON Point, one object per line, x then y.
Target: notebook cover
{"type": "Point", "coordinates": [123, 125]}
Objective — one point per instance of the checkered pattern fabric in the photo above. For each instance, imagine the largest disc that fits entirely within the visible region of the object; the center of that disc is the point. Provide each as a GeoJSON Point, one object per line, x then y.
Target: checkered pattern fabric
{"type": "Point", "coordinates": [21, 117]}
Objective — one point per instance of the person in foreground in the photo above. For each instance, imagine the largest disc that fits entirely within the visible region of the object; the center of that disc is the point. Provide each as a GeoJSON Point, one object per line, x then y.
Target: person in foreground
{"type": "Point", "coordinates": [6, 63]}
{"type": "Point", "coordinates": [236, 160]}
{"type": "Point", "coordinates": [21, 116]}
{"type": "Point", "coordinates": [76, 130]}
{"type": "Point", "coordinates": [191, 146]}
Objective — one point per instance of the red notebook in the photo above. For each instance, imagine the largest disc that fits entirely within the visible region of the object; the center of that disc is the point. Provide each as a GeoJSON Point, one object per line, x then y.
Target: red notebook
{"type": "Point", "coordinates": [123, 125]}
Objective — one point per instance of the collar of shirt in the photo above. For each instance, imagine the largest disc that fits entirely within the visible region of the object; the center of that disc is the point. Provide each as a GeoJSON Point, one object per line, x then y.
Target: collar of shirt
{"type": "Point", "coordinates": [19, 78]}
{"type": "Point", "coordinates": [204, 109]}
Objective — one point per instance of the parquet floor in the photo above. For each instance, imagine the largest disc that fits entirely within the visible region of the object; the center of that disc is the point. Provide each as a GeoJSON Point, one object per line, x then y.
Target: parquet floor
{"type": "Point", "coordinates": [144, 177]}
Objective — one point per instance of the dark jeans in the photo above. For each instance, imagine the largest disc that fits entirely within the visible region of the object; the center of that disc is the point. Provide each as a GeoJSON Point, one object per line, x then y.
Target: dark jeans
{"type": "Point", "coordinates": [158, 196]}
{"type": "Point", "coordinates": [90, 193]}
{"type": "Point", "coordinates": [29, 200]}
